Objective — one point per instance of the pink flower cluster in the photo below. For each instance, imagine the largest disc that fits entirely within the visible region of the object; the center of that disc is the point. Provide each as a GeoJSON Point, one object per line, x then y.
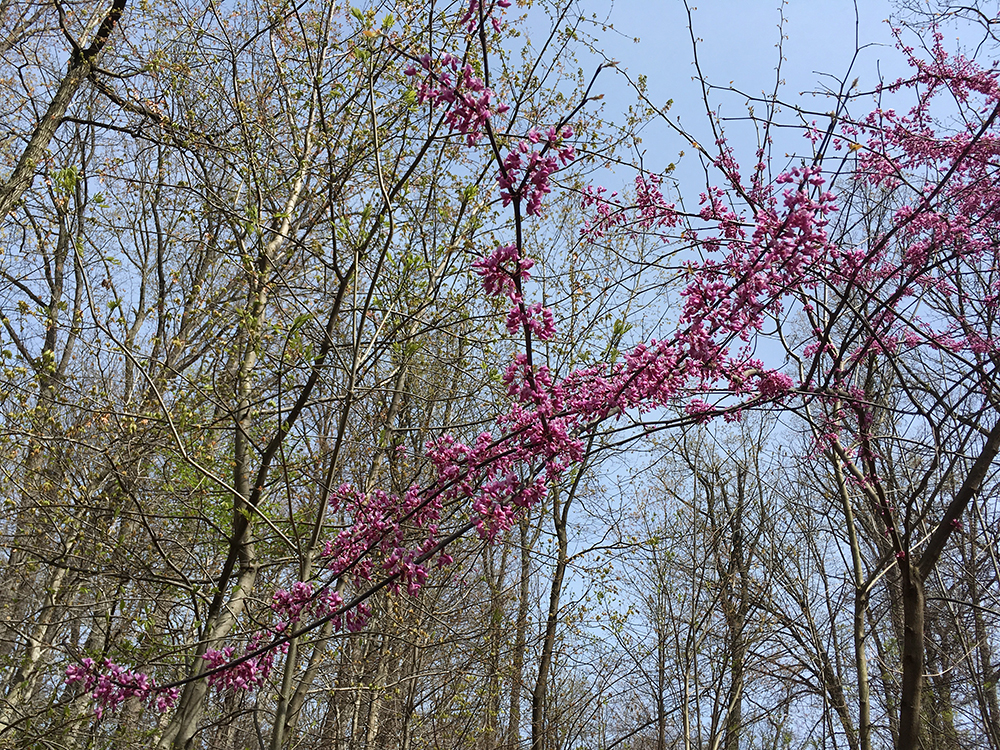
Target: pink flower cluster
{"type": "Point", "coordinates": [503, 273]}
{"type": "Point", "coordinates": [502, 476]}
{"type": "Point", "coordinates": [778, 252]}
{"type": "Point", "coordinates": [649, 212]}
{"type": "Point", "coordinates": [471, 17]}
{"type": "Point", "coordinates": [527, 173]}
{"type": "Point", "coordinates": [290, 604]}
{"type": "Point", "coordinates": [946, 227]}
{"type": "Point", "coordinates": [727, 298]}
{"type": "Point", "coordinates": [245, 674]}
{"type": "Point", "coordinates": [380, 524]}
{"type": "Point", "coordinates": [788, 246]}
{"type": "Point", "coordinates": [301, 602]}
{"type": "Point", "coordinates": [111, 685]}
{"type": "Point", "coordinates": [501, 270]}
{"type": "Point", "coordinates": [534, 317]}
{"type": "Point", "coordinates": [470, 100]}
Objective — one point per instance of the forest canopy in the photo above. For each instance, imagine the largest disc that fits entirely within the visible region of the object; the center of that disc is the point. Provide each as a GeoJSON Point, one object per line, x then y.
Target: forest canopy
{"type": "Point", "coordinates": [364, 384]}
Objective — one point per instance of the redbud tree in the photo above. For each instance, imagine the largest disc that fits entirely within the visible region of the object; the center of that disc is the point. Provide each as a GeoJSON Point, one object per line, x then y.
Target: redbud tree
{"type": "Point", "coordinates": [885, 325]}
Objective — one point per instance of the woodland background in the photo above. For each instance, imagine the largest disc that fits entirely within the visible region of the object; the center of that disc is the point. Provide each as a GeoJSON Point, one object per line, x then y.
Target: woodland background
{"type": "Point", "coordinates": [237, 276]}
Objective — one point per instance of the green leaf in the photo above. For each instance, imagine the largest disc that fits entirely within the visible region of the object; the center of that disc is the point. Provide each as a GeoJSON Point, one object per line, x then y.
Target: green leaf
{"type": "Point", "coordinates": [300, 321]}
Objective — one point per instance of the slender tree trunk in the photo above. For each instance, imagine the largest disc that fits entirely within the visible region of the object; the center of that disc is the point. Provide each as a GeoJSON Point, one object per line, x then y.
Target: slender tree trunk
{"type": "Point", "coordinates": [939, 701]}
{"type": "Point", "coordinates": [295, 701]}
{"type": "Point", "coordinates": [559, 514]}
{"type": "Point", "coordinates": [81, 65]}
{"type": "Point", "coordinates": [520, 640]}
{"type": "Point", "coordinates": [184, 722]}
{"type": "Point", "coordinates": [860, 608]}
{"type": "Point", "coordinates": [913, 575]}
{"type": "Point", "coordinates": [24, 681]}
{"type": "Point", "coordinates": [986, 685]}
{"type": "Point", "coordinates": [661, 686]}
{"type": "Point", "coordinates": [377, 693]}
{"type": "Point", "coordinates": [494, 574]}
{"type": "Point", "coordinates": [913, 660]}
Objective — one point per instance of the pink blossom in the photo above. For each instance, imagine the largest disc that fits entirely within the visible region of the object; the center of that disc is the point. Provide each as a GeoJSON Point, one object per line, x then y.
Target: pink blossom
{"type": "Point", "coordinates": [454, 85]}
{"type": "Point", "coordinates": [503, 271]}
{"type": "Point", "coordinates": [526, 174]}
{"type": "Point", "coordinates": [110, 685]}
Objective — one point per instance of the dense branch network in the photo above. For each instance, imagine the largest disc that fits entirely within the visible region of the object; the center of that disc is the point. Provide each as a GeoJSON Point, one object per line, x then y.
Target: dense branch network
{"type": "Point", "coordinates": [773, 255]}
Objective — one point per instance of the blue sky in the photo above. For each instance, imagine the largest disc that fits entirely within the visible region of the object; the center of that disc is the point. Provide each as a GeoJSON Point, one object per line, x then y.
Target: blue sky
{"type": "Point", "coordinates": [738, 45]}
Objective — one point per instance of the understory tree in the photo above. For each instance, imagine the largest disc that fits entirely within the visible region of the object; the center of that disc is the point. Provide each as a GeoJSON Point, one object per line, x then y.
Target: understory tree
{"type": "Point", "coordinates": [322, 354]}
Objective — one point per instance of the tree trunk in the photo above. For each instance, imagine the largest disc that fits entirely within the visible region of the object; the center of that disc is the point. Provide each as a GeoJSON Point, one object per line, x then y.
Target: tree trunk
{"type": "Point", "coordinates": [81, 65]}
{"type": "Point", "coordinates": [559, 513]}
{"type": "Point", "coordinates": [520, 640]}
{"type": "Point", "coordinates": [913, 659]}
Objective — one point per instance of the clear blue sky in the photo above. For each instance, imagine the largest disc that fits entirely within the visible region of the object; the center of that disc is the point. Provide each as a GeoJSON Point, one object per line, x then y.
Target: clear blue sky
{"type": "Point", "coordinates": [738, 45]}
